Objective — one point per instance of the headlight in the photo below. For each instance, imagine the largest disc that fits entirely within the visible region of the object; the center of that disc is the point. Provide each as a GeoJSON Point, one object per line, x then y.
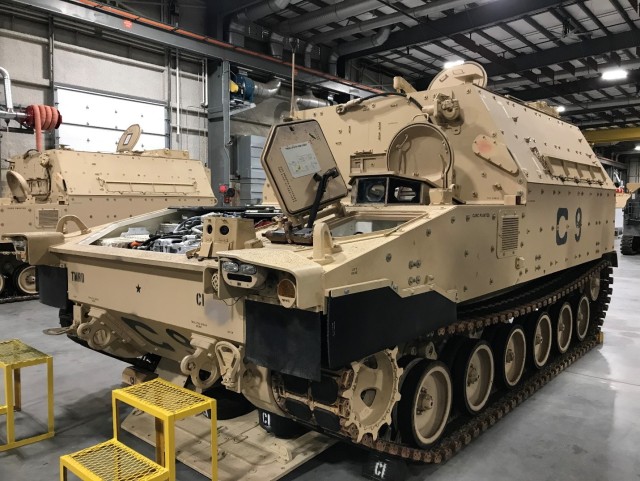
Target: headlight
{"type": "Point", "coordinates": [230, 266]}
{"type": "Point", "coordinates": [248, 269]}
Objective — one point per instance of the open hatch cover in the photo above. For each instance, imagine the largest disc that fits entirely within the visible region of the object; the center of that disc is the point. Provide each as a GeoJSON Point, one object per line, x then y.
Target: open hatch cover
{"type": "Point", "coordinates": [295, 152]}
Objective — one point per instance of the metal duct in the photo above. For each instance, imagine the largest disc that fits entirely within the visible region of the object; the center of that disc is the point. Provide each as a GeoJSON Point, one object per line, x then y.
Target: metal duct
{"type": "Point", "coordinates": [276, 45]}
{"type": "Point", "coordinates": [236, 33]}
{"type": "Point", "coordinates": [333, 63]}
{"type": "Point", "coordinates": [307, 55]}
{"type": "Point", "coordinates": [262, 10]}
{"type": "Point", "coordinates": [7, 89]}
{"type": "Point", "coordinates": [391, 19]}
{"type": "Point", "coordinates": [238, 28]}
{"type": "Point", "coordinates": [332, 13]}
{"type": "Point", "coordinates": [267, 90]}
{"type": "Point", "coordinates": [310, 101]}
{"type": "Point", "coordinates": [364, 43]}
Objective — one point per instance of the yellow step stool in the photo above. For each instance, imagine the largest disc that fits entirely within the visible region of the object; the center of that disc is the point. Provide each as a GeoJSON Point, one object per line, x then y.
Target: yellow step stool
{"type": "Point", "coordinates": [168, 403]}
{"type": "Point", "coordinates": [15, 355]}
{"type": "Point", "coordinates": [111, 461]}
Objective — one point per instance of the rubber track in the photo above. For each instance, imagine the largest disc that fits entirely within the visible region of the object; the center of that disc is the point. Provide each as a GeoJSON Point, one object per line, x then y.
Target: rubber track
{"type": "Point", "coordinates": [507, 401]}
{"type": "Point", "coordinates": [626, 246]}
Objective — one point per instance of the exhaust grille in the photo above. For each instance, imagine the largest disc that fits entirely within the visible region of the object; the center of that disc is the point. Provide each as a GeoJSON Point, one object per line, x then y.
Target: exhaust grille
{"type": "Point", "coordinates": [508, 234]}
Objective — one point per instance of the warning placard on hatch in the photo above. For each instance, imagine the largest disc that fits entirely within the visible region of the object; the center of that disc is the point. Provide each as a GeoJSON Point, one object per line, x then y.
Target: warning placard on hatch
{"type": "Point", "coordinates": [300, 159]}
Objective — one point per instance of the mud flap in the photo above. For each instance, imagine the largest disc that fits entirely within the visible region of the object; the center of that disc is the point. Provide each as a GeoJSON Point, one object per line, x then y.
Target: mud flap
{"type": "Point", "coordinates": [52, 286]}
{"type": "Point", "coordinates": [284, 340]}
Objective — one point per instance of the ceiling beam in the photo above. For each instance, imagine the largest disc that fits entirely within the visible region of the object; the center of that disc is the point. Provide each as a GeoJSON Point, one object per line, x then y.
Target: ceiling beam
{"type": "Point", "coordinates": [601, 105]}
{"type": "Point", "coordinates": [573, 51]}
{"type": "Point", "coordinates": [597, 124]}
{"type": "Point", "coordinates": [627, 134]}
{"type": "Point", "coordinates": [580, 72]}
{"type": "Point", "coordinates": [478, 17]}
{"type": "Point", "coordinates": [577, 86]}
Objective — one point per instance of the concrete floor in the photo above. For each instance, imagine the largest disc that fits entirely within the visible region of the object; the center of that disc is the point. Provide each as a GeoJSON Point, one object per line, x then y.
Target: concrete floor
{"type": "Point", "coordinates": [583, 425]}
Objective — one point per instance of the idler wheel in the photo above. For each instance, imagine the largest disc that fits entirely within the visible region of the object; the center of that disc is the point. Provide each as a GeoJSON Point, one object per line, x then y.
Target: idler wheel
{"type": "Point", "coordinates": [423, 410]}
{"type": "Point", "coordinates": [582, 316]}
{"type": "Point", "coordinates": [24, 279]}
{"type": "Point", "coordinates": [509, 345]}
{"type": "Point", "coordinates": [594, 288]}
{"type": "Point", "coordinates": [472, 373]}
{"type": "Point", "coordinates": [539, 339]}
{"type": "Point", "coordinates": [563, 328]}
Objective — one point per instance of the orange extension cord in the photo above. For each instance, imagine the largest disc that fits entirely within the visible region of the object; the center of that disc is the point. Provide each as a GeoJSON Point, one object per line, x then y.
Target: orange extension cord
{"type": "Point", "coordinates": [42, 117]}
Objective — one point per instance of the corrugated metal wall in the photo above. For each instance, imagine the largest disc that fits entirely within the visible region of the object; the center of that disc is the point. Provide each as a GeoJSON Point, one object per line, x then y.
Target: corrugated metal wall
{"type": "Point", "coordinates": [633, 171]}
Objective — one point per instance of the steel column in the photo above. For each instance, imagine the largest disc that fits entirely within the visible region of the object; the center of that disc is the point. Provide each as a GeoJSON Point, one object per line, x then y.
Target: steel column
{"type": "Point", "coordinates": [219, 126]}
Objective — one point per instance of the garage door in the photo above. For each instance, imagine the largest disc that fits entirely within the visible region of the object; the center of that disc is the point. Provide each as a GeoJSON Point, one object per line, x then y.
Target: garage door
{"type": "Point", "coordinates": [94, 121]}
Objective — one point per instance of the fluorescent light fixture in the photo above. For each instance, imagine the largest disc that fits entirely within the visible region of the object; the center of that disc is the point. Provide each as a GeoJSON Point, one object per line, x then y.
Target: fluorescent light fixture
{"type": "Point", "coordinates": [453, 63]}
{"type": "Point", "coordinates": [637, 147]}
{"type": "Point", "coordinates": [560, 109]}
{"type": "Point", "coordinates": [614, 74]}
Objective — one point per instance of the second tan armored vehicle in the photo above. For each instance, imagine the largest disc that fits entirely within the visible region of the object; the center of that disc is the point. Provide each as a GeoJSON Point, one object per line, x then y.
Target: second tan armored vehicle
{"type": "Point", "coordinates": [442, 255]}
{"type": "Point", "coordinates": [96, 187]}
{"type": "Point", "coordinates": [630, 242]}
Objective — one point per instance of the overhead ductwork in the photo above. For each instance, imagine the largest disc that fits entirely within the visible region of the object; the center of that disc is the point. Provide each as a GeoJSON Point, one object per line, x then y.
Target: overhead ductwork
{"type": "Point", "coordinates": [267, 90]}
{"type": "Point", "coordinates": [276, 45]}
{"type": "Point", "coordinates": [350, 47]}
{"type": "Point", "coordinates": [241, 24]}
{"type": "Point", "coordinates": [323, 16]}
{"type": "Point", "coordinates": [333, 63]}
{"type": "Point", "coordinates": [307, 55]}
{"type": "Point", "coordinates": [262, 10]}
{"type": "Point", "coordinates": [364, 43]}
{"type": "Point", "coordinates": [387, 20]}
{"type": "Point", "coordinates": [310, 101]}
{"type": "Point", "coordinates": [237, 32]}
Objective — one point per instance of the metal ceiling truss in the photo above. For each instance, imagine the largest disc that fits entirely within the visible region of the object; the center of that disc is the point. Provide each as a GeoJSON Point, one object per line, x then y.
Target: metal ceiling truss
{"type": "Point", "coordinates": [575, 87]}
{"type": "Point", "coordinates": [466, 21]}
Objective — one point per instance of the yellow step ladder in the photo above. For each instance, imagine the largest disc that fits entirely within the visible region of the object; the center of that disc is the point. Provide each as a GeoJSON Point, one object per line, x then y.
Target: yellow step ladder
{"type": "Point", "coordinates": [113, 461]}
{"type": "Point", "coordinates": [14, 356]}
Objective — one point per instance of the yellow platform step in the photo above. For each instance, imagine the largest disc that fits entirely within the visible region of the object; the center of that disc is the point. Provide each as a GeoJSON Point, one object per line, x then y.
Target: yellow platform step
{"type": "Point", "coordinates": [14, 356]}
{"type": "Point", "coordinates": [111, 461]}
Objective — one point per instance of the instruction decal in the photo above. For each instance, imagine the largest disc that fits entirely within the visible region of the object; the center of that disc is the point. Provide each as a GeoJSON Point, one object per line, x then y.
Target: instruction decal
{"type": "Point", "coordinates": [300, 159]}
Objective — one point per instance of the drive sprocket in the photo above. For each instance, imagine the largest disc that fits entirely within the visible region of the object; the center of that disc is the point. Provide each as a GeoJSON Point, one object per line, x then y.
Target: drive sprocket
{"type": "Point", "coordinates": [372, 393]}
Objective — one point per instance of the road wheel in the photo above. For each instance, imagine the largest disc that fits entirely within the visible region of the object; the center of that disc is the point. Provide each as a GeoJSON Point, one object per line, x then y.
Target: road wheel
{"type": "Point", "coordinates": [582, 316]}
{"type": "Point", "coordinates": [539, 339]}
{"type": "Point", "coordinates": [472, 375]}
{"type": "Point", "coordinates": [563, 328]}
{"type": "Point", "coordinates": [24, 280]}
{"type": "Point", "coordinates": [509, 345]}
{"type": "Point", "coordinates": [425, 403]}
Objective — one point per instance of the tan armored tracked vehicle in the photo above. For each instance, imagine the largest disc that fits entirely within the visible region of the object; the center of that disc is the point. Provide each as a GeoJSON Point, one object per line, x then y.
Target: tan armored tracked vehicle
{"type": "Point", "coordinates": [442, 254]}
{"type": "Point", "coordinates": [96, 187]}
